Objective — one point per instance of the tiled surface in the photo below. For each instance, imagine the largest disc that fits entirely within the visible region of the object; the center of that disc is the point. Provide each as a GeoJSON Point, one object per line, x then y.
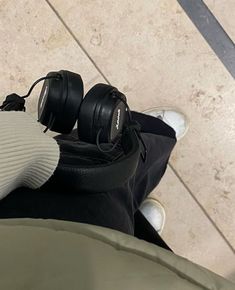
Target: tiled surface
{"type": "Point", "coordinates": [34, 42]}
{"type": "Point", "coordinates": [188, 232]}
{"type": "Point", "coordinates": [152, 52]}
{"type": "Point", "coordinates": [155, 54]}
{"type": "Point", "coordinates": [224, 11]}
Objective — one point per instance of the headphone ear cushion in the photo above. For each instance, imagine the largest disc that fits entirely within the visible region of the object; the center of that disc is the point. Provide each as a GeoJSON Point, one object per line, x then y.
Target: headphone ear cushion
{"type": "Point", "coordinates": [88, 120]}
{"type": "Point", "coordinates": [60, 100]}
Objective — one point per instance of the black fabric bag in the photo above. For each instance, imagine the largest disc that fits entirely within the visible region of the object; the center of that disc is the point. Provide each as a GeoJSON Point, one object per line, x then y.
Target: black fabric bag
{"type": "Point", "coordinates": [113, 209]}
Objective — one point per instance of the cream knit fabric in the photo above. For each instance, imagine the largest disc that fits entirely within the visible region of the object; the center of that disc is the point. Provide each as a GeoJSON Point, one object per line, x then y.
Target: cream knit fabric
{"type": "Point", "coordinates": [28, 157]}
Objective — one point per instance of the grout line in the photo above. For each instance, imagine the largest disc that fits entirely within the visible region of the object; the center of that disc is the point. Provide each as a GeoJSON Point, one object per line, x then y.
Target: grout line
{"type": "Point", "coordinates": [201, 207]}
{"type": "Point", "coordinates": [212, 31]}
{"type": "Point", "coordinates": [175, 172]}
{"type": "Point", "coordinates": [77, 41]}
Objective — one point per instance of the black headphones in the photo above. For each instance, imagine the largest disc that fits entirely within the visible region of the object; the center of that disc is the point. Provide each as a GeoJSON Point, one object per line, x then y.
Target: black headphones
{"type": "Point", "coordinates": [102, 116]}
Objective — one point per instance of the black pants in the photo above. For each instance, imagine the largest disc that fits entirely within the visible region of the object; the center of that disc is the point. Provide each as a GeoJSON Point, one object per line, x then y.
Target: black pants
{"type": "Point", "coordinates": [115, 209]}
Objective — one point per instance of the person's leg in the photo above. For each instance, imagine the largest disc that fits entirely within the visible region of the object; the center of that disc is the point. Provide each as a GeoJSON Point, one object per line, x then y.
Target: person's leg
{"type": "Point", "coordinates": [160, 140]}
{"type": "Point", "coordinates": [176, 119]}
{"type": "Point", "coordinates": [149, 214]}
{"type": "Point", "coordinates": [145, 231]}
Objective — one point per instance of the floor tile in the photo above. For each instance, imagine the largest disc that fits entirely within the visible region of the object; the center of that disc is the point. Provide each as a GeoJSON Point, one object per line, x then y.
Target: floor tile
{"type": "Point", "coordinates": [188, 231]}
{"type": "Point", "coordinates": [34, 42]}
{"type": "Point", "coordinates": [224, 11]}
{"type": "Point", "coordinates": [157, 57]}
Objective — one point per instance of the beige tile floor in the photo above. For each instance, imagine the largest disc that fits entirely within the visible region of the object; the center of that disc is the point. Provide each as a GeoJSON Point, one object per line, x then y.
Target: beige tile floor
{"type": "Point", "coordinates": [151, 51]}
{"type": "Point", "coordinates": [224, 12]}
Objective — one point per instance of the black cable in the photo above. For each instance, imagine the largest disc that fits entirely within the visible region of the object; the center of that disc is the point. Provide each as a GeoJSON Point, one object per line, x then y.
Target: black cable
{"type": "Point", "coordinates": [137, 130]}
{"type": "Point", "coordinates": [98, 143]}
{"type": "Point", "coordinates": [15, 102]}
{"type": "Point", "coordinates": [39, 80]}
{"type": "Point", "coordinates": [134, 125]}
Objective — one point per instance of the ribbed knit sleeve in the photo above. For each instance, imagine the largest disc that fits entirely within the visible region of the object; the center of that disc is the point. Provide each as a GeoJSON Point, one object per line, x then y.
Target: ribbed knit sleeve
{"type": "Point", "coordinates": [28, 157]}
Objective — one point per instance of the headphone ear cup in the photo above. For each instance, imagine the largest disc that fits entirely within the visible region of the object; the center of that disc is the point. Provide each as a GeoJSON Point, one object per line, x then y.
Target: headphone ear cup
{"type": "Point", "coordinates": [90, 111]}
{"type": "Point", "coordinates": [60, 100]}
{"type": "Point", "coordinates": [97, 112]}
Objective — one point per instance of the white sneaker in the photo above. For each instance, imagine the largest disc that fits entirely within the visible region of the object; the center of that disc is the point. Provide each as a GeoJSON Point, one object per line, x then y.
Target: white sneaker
{"type": "Point", "coordinates": [172, 117]}
{"type": "Point", "coordinates": [155, 214]}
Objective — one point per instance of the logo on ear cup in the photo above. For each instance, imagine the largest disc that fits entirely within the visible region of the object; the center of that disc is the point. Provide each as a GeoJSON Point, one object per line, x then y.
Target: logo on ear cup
{"type": "Point", "coordinates": [118, 118]}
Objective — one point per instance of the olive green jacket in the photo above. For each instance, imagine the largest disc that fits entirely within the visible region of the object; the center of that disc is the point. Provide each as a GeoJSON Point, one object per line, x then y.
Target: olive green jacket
{"type": "Point", "coordinates": [56, 255]}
